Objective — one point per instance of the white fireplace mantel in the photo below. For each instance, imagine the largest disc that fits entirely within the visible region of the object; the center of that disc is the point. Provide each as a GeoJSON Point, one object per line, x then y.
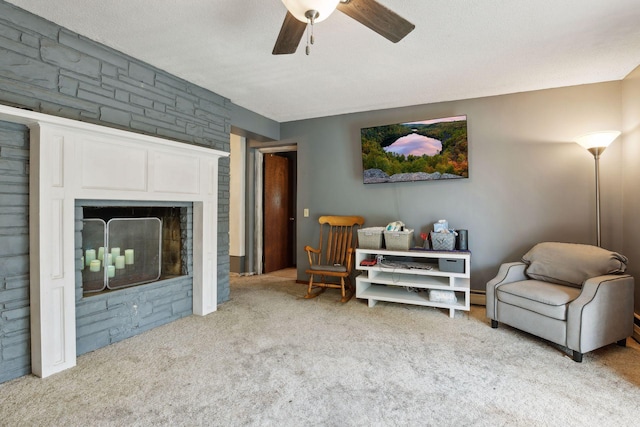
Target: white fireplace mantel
{"type": "Point", "coordinates": [72, 160]}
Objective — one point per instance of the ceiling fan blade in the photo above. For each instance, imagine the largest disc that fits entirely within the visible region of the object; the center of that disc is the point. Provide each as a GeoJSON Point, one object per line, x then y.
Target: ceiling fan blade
{"type": "Point", "coordinates": [290, 35]}
{"type": "Point", "coordinates": [383, 21]}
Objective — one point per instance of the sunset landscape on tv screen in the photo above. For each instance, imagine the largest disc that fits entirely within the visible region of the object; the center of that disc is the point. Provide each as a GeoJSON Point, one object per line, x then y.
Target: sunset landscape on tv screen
{"type": "Point", "coordinates": [426, 150]}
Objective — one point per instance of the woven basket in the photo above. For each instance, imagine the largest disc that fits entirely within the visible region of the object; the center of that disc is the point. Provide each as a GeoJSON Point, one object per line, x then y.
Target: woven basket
{"type": "Point", "coordinates": [398, 240]}
{"type": "Point", "coordinates": [370, 238]}
{"type": "Point", "coordinates": [443, 241]}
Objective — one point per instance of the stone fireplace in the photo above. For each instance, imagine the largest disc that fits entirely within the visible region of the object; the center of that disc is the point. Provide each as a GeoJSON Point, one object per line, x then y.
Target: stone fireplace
{"type": "Point", "coordinates": [72, 161]}
{"type": "Point", "coordinates": [147, 281]}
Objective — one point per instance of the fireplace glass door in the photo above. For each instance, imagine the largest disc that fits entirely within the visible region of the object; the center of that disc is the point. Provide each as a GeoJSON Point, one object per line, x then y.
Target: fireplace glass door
{"type": "Point", "coordinates": [121, 252]}
{"type": "Point", "coordinates": [93, 238]}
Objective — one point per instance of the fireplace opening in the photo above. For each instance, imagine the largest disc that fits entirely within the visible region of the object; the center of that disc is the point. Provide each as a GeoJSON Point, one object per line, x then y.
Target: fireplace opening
{"type": "Point", "coordinates": [125, 246]}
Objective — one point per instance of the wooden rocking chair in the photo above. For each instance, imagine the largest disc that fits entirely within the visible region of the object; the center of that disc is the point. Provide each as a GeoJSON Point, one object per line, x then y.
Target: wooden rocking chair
{"type": "Point", "coordinates": [335, 258]}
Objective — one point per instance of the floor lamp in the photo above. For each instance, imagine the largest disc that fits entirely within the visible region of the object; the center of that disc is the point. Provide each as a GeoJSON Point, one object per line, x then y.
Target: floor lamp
{"type": "Point", "coordinates": [596, 142]}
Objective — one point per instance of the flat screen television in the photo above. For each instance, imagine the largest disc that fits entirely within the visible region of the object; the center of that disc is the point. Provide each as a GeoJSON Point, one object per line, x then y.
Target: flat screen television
{"type": "Point", "coordinates": [425, 150]}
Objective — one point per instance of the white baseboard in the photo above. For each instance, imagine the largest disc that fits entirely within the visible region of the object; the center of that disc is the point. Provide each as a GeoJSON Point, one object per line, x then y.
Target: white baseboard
{"type": "Point", "coordinates": [478, 298]}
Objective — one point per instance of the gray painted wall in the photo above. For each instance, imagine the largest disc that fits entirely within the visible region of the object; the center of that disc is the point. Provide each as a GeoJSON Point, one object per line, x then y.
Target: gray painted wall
{"type": "Point", "coordinates": [254, 126]}
{"type": "Point", "coordinates": [49, 69]}
{"type": "Point", "coordinates": [528, 182]}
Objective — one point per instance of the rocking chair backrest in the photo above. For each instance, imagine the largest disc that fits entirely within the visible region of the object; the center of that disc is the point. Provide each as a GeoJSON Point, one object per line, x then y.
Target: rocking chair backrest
{"type": "Point", "coordinates": [338, 235]}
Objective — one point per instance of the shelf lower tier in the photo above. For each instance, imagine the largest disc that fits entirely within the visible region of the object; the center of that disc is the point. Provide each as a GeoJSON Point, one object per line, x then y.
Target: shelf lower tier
{"type": "Point", "coordinates": [375, 293]}
{"type": "Point", "coordinates": [429, 282]}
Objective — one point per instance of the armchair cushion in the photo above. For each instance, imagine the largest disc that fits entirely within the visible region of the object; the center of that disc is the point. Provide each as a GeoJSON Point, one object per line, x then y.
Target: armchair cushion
{"type": "Point", "coordinates": [540, 297]}
{"type": "Point", "coordinates": [571, 264]}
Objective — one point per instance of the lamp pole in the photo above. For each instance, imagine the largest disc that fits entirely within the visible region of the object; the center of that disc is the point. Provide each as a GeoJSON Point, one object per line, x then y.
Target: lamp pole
{"type": "Point", "coordinates": [596, 151]}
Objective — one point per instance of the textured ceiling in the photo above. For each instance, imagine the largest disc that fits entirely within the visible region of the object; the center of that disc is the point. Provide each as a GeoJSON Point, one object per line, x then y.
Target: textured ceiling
{"type": "Point", "coordinates": [459, 49]}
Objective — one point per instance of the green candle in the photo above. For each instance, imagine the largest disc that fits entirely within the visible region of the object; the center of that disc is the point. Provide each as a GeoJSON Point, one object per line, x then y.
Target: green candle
{"type": "Point", "coordinates": [128, 256]}
{"type": "Point", "coordinates": [120, 262]}
{"type": "Point", "coordinates": [89, 256]}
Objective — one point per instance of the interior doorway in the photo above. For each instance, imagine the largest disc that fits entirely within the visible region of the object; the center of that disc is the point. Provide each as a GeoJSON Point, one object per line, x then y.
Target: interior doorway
{"type": "Point", "coordinates": [275, 215]}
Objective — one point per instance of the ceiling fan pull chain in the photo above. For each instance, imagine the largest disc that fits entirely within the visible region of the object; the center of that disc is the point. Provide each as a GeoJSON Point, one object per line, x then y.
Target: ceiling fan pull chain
{"type": "Point", "coordinates": [311, 18]}
{"type": "Point", "coordinates": [312, 38]}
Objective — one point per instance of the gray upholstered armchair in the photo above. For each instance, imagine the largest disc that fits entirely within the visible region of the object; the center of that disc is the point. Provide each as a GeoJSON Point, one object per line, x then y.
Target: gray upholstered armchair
{"type": "Point", "coordinates": [573, 295]}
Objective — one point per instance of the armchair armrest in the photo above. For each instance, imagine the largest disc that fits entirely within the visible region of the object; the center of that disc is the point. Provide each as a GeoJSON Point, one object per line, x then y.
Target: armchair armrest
{"type": "Point", "coordinates": [509, 272]}
{"type": "Point", "coordinates": [602, 313]}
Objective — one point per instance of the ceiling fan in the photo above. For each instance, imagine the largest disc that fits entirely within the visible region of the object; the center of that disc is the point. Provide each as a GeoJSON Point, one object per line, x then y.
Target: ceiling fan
{"type": "Point", "coordinates": [370, 13]}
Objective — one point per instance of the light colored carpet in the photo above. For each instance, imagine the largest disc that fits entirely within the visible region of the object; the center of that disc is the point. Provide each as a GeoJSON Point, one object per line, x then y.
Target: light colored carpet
{"type": "Point", "coordinates": [269, 357]}
{"type": "Point", "coordinates": [287, 273]}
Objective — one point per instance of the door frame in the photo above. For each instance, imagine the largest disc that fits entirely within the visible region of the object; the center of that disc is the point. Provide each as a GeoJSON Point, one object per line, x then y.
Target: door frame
{"type": "Point", "coordinates": [259, 206]}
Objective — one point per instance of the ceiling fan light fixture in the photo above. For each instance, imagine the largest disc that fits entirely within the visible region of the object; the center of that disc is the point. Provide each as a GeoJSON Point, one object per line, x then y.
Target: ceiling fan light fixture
{"type": "Point", "coordinates": [299, 8]}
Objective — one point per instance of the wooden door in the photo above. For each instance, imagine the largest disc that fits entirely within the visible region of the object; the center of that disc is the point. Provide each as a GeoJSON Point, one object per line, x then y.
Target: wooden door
{"type": "Point", "coordinates": [276, 213]}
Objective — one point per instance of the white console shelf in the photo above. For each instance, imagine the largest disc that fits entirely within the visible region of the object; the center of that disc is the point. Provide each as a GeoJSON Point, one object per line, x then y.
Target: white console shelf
{"type": "Point", "coordinates": [399, 280]}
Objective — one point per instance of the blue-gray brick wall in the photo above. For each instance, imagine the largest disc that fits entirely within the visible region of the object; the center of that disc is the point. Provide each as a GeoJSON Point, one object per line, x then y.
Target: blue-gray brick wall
{"type": "Point", "coordinates": [106, 318]}
{"type": "Point", "coordinates": [14, 252]}
{"type": "Point", "coordinates": [49, 69]}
